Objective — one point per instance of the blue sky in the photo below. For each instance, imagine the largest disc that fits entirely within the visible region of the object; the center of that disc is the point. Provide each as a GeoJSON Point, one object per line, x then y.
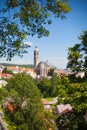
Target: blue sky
{"type": "Point", "coordinates": [63, 34]}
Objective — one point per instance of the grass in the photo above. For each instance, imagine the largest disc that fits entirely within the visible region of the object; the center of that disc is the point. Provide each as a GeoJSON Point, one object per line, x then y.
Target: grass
{"type": "Point", "coordinates": [49, 98]}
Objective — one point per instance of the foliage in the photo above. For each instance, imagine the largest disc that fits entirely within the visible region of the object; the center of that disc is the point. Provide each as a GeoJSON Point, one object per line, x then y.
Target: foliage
{"type": "Point", "coordinates": [24, 109]}
{"type": "Point", "coordinates": [71, 121]}
{"type": "Point", "coordinates": [51, 72]}
{"type": "Point", "coordinates": [20, 19]}
{"type": "Point", "coordinates": [51, 88]}
{"type": "Point", "coordinates": [77, 55]}
{"type": "Point", "coordinates": [73, 92]}
{"type": "Point", "coordinates": [21, 65]}
{"type": "Point", "coordinates": [54, 83]}
{"type": "Point", "coordinates": [44, 87]}
{"type": "Point", "coordinates": [58, 82]}
{"type": "Point", "coordinates": [74, 58]}
{"type": "Point", "coordinates": [7, 71]}
{"type": "Point", "coordinates": [76, 95]}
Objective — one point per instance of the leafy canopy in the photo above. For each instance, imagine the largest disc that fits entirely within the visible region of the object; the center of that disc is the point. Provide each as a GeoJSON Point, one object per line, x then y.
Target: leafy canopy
{"type": "Point", "coordinates": [77, 55]}
{"type": "Point", "coordinates": [24, 109]}
{"type": "Point", "coordinates": [20, 19]}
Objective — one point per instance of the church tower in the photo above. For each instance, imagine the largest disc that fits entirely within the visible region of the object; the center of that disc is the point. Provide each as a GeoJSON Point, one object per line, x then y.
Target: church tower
{"type": "Point", "coordinates": [36, 57]}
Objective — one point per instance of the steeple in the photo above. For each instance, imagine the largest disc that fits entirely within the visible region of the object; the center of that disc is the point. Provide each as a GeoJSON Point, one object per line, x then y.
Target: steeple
{"type": "Point", "coordinates": [36, 57]}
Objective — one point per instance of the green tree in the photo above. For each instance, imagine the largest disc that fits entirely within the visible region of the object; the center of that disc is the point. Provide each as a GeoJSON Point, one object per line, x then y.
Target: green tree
{"type": "Point", "coordinates": [22, 18]}
{"type": "Point", "coordinates": [74, 58]}
{"type": "Point", "coordinates": [51, 72]}
{"type": "Point", "coordinates": [54, 83]}
{"type": "Point", "coordinates": [83, 45]}
{"type": "Point", "coordinates": [77, 55]}
{"type": "Point", "coordinates": [7, 71]}
{"type": "Point", "coordinates": [44, 86]}
{"type": "Point", "coordinates": [57, 84]}
{"type": "Point", "coordinates": [73, 92]}
{"type": "Point", "coordinates": [25, 109]}
{"type": "Point", "coordinates": [4, 70]}
{"type": "Point", "coordinates": [76, 95]}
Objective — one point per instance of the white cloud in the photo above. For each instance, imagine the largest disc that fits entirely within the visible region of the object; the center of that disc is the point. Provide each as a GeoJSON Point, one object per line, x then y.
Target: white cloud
{"type": "Point", "coordinates": [28, 43]}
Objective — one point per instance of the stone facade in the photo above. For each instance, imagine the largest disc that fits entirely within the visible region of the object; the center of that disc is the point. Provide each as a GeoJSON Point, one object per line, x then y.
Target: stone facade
{"type": "Point", "coordinates": [41, 68]}
{"type": "Point", "coordinates": [36, 57]}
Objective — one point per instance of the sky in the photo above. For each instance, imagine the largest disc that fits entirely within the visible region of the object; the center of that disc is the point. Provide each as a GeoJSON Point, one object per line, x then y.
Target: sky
{"type": "Point", "coordinates": [63, 34]}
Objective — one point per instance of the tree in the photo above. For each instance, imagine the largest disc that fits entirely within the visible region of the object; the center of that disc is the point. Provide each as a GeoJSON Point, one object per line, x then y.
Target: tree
{"type": "Point", "coordinates": [83, 45]}
{"type": "Point", "coordinates": [54, 83]}
{"type": "Point", "coordinates": [74, 58]}
{"type": "Point", "coordinates": [22, 18]}
{"type": "Point", "coordinates": [58, 83]}
{"type": "Point", "coordinates": [74, 94]}
{"type": "Point", "coordinates": [24, 109]}
{"type": "Point", "coordinates": [51, 72]}
{"type": "Point", "coordinates": [44, 86]}
{"type": "Point", "coordinates": [77, 55]}
{"type": "Point", "coordinates": [7, 71]}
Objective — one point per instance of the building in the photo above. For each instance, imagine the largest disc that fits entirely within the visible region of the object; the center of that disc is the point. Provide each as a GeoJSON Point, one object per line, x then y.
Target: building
{"type": "Point", "coordinates": [41, 68]}
{"type": "Point", "coordinates": [46, 104]}
{"type": "Point", "coordinates": [36, 57]}
{"type": "Point", "coordinates": [60, 72]}
{"type": "Point", "coordinates": [2, 83]}
{"type": "Point", "coordinates": [62, 109]}
{"type": "Point", "coordinates": [80, 74]}
{"type": "Point", "coordinates": [1, 68]}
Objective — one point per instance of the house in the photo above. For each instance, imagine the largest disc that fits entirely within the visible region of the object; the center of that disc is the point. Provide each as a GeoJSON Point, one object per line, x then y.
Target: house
{"type": "Point", "coordinates": [4, 75]}
{"type": "Point", "coordinates": [28, 71]}
{"type": "Point", "coordinates": [15, 69]}
{"type": "Point", "coordinates": [80, 74]}
{"type": "Point", "coordinates": [2, 83]}
{"type": "Point", "coordinates": [62, 109]}
{"type": "Point", "coordinates": [46, 104]}
{"type": "Point", "coordinates": [31, 72]}
{"type": "Point", "coordinates": [61, 72]}
{"type": "Point", "coordinates": [1, 68]}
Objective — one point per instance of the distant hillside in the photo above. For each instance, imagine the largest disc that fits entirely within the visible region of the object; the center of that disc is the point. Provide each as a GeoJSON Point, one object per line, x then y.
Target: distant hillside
{"type": "Point", "coordinates": [21, 65]}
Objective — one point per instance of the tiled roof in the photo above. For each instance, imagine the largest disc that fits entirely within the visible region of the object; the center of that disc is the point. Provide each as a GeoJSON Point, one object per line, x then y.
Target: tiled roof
{"type": "Point", "coordinates": [61, 72]}
{"type": "Point", "coordinates": [4, 75]}
{"type": "Point", "coordinates": [45, 102]}
{"type": "Point", "coordinates": [64, 108]}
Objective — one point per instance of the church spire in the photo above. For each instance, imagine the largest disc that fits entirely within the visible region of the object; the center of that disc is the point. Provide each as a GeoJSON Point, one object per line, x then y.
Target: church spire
{"type": "Point", "coordinates": [36, 56]}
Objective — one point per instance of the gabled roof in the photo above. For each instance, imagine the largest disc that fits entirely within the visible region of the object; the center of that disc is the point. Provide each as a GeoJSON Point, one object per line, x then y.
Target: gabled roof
{"type": "Point", "coordinates": [64, 108]}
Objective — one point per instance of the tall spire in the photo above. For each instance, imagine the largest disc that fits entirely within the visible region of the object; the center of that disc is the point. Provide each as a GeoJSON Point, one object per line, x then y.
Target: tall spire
{"type": "Point", "coordinates": [36, 56]}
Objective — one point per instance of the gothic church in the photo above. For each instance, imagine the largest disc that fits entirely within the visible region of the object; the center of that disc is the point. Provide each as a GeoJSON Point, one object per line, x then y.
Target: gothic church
{"type": "Point", "coordinates": [41, 68]}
